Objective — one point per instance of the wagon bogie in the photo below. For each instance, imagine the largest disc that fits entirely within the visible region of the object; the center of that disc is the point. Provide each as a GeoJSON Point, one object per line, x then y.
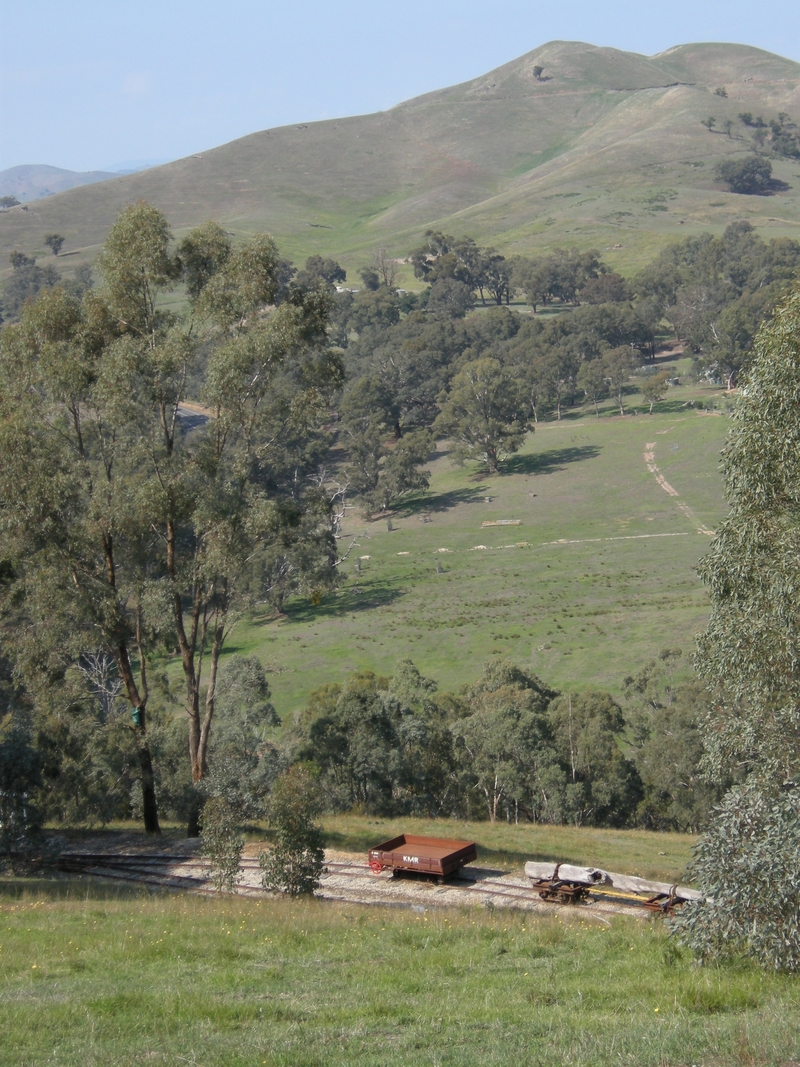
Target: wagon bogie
{"type": "Point", "coordinates": [562, 892]}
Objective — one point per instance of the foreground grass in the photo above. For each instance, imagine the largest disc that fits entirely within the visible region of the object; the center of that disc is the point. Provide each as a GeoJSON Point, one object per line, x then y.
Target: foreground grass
{"type": "Point", "coordinates": [93, 980]}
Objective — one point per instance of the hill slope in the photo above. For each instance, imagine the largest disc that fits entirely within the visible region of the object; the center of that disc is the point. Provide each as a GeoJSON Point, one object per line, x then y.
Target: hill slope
{"type": "Point", "coordinates": [32, 181]}
{"type": "Point", "coordinates": [606, 149]}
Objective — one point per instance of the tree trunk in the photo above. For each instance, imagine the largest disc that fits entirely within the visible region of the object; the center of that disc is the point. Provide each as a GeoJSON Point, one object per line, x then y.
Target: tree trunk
{"type": "Point", "coordinates": [193, 822]}
{"type": "Point", "coordinates": [149, 803]}
{"type": "Point", "coordinates": [139, 702]}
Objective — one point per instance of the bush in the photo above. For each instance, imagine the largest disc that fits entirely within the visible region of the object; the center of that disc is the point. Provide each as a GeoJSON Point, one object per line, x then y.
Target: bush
{"type": "Point", "coordinates": [221, 842]}
{"type": "Point", "coordinates": [20, 777]}
{"type": "Point", "coordinates": [750, 176]}
{"type": "Point", "coordinates": [747, 865]}
{"type": "Point", "coordinates": [294, 863]}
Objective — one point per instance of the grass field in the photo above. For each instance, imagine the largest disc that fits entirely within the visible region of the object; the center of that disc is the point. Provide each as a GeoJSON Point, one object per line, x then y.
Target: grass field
{"type": "Point", "coordinates": [596, 580]}
{"type": "Point", "coordinates": [94, 977]}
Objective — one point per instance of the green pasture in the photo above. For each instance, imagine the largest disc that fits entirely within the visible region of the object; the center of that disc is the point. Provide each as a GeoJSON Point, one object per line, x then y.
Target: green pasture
{"type": "Point", "coordinates": [598, 577]}
{"type": "Point", "coordinates": [92, 975]}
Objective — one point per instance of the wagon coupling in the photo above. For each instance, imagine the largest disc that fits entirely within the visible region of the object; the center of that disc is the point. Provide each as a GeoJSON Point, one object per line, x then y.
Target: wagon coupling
{"type": "Point", "coordinates": [665, 903]}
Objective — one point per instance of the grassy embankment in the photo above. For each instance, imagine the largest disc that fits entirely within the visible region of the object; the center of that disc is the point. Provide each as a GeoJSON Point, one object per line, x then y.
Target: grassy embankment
{"type": "Point", "coordinates": [97, 977]}
{"type": "Point", "coordinates": [597, 579]}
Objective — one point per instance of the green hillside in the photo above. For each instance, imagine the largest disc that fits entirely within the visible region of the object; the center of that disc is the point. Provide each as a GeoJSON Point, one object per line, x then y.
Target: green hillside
{"type": "Point", "coordinates": [606, 149]}
{"type": "Point", "coordinates": [597, 578]}
{"type": "Point", "coordinates": [32, 181]}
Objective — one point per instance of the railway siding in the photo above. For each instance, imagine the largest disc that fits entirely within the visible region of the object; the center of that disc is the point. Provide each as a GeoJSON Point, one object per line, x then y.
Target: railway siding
{"type": "Point", "coordinates": [347, 878]}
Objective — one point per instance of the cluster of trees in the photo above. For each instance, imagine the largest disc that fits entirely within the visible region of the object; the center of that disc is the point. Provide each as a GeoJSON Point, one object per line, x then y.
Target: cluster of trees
{"type": "Point", "coordinates": [753, 175]}
{"type": "Point", "coordinates": [27, 279]}
{"type": "Point", "coordinates": [781, 131]}
{"type": "Point", "coordinates": [134, 529]}
{"type": "Point", "coordinates": [509, 747]}
{"type": "Point", "coordinates": [417, 364]}
{"type": "Point", "coordinates": [504, 747]}
{"type": "Point", "coordinates": [456, 268]}
{"type": "Point", "coordinates": [716, 291]}
{"type": "Point", "coordinates": [130, 533]}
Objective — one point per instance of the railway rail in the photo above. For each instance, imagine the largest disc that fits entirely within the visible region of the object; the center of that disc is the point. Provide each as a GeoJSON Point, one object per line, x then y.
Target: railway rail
{"type": "Point", "coordinates": [186, 873]}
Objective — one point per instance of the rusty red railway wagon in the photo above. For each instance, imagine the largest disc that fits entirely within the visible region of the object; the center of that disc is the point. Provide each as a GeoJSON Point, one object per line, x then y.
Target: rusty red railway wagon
{"type": "Point", "coordinates": [430, 855]}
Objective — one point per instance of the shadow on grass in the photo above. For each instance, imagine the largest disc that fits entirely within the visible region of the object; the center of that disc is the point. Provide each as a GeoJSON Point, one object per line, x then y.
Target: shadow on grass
{"type": "Point", "coordinates": [549, 462]}
{"type": "Point", "coordinates": [681, 407]}
{"type": "Point", "coordinates": [442, 501]}
{"type": "Point", "coordinates": [71, 887]}
{"type": "Point", "coordinates": [352, 597]}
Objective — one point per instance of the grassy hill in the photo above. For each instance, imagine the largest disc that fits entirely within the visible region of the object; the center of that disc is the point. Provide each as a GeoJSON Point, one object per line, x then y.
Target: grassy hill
{"type": "Point", "coordinates": [606, 150]}
{"type": "Point", "coordinates": [31, 181]}
{"type": "Point", "coordinates": [596, 580]}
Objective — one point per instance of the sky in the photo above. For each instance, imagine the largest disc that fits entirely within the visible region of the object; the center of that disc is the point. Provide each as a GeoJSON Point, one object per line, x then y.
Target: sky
{"type": "Point", "coordinates": [112, 85]}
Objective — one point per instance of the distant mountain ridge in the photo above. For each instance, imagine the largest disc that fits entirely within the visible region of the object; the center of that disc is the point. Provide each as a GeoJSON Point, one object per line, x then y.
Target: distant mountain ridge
{"type": "Point", "coordinates": [570, 144]}
{"type": "Point", "coordinates": [31, 181]}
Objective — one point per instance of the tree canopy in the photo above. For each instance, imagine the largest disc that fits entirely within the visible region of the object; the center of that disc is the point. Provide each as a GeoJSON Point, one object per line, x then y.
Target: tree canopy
{"type": "Point", "coordinates": [126, 531]}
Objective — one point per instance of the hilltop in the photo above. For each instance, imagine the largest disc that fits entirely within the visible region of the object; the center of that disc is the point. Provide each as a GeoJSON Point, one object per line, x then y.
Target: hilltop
{"type": "Point", "coordinates": [32, 181]}
{"type": "Point", "coordinates": [603, 148]}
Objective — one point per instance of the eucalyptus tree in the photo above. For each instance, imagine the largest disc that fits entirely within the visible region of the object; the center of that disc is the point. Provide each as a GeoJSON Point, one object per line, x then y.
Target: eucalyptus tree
{"type": "Point", "coordinates": [591, 378]}
{"type": "Point", "coordinates": [618, 367]}
{"type": "Point", "coordinates": [509, 744]}
{"type": "Point", "coordinates": [750, 649]}
{"type": "Point", "coordinates": [483, 413]}
{"type": "Point", "coordinates": [70, 528]}
{"type": "Point", "coordinates": [172, 531]}
{"type": "Point", "coordinates": [747, 862]}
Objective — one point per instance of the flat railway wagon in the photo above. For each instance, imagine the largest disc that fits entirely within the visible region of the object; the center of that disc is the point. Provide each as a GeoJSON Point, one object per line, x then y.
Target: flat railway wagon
{"type": "Point", "coordinates": [430, 855]}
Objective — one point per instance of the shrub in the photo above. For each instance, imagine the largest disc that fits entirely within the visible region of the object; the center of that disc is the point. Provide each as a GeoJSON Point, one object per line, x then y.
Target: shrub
{"type": "Point", "coordinates": [294, 863]}
{"type": "Point", "coordinates": [221, 842]}
{"type": "Point", "coordinates": [747, 865]}
{"type": "Point", "coordinates": [20, 777]}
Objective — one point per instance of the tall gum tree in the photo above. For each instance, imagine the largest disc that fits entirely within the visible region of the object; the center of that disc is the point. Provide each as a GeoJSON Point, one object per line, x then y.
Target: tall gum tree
{"type": "Point", "coordinates": [750, 651]}
{"type": "Point", "coordinates": [190, 511]}
{"type": "Point", "coordinates": [482, 413]}
{"type": "Point", "coordinates": [67, 522]}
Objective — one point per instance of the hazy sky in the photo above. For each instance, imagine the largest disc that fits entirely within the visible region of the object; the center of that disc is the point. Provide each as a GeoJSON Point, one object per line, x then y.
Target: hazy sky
{"type": "Point", "coordinates": [98, 84]}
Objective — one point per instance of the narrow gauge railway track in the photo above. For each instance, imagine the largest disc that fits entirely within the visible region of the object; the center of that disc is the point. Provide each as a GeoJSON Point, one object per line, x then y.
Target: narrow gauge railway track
{"type": "Point", "coordinates": [149, 870]}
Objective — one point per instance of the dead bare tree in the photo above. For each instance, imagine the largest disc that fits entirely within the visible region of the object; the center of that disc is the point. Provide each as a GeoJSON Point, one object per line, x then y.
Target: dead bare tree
{"type": "Point", "coordinates": [100, 672]}
{"type": "Point", "coordinates": [385, 267]}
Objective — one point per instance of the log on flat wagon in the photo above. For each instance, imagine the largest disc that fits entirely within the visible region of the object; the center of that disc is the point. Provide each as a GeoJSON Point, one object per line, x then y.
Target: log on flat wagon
{"type": "Point", "coordinates": [595, 876]}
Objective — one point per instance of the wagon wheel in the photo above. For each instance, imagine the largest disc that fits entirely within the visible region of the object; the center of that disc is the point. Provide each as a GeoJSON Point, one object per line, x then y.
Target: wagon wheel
{"type": "Point", "coordinates": [564, 897]}
{"type": "Point", "coordinates": [375, 866]}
